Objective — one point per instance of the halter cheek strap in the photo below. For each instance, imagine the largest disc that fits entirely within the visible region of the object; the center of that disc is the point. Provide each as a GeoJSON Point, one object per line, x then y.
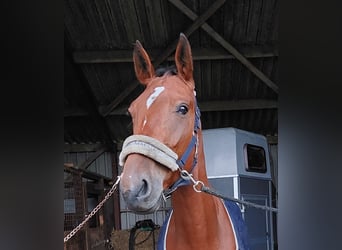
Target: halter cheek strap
{"type": "Point", "coordinates": [182, 161]}
{"type": "Point", "coordinates": [193, 143]}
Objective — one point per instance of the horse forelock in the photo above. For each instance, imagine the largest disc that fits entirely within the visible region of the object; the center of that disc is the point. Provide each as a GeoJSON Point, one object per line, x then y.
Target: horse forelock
{"type": "Point", "coordinates": [163, 71]}
{"type": "Point", "coordinates": [172, 71]}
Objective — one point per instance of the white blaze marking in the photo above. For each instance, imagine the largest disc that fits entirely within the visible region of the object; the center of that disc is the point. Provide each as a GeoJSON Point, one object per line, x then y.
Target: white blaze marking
{"type": "Point", "coordinates": [145, 120]}
{"type": "Point", "coordinates": [154, 96]}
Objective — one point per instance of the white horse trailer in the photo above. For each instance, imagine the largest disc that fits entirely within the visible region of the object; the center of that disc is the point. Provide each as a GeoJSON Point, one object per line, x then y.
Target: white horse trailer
{"type": "Point", "coordinates": [238, 165]}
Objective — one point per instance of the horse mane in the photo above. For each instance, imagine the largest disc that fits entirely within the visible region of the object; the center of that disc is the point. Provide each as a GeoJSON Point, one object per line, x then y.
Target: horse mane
{"type": "Point", "coordinates": [164, 71]}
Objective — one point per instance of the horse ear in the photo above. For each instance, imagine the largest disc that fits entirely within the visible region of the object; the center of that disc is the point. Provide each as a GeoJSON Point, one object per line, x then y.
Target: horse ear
{"type": "Point", "coordinates": [143, 67]}
{"type": "Point", "coordinates": [183, 58]}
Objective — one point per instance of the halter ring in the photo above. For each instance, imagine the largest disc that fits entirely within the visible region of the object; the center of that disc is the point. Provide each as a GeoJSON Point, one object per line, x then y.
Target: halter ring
{"type": "Point", "coordinates": [196, 184]}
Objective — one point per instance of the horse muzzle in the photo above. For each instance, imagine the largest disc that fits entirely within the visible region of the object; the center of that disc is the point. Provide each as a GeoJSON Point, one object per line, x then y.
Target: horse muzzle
{"type": "Point", "coordinates": [141, 184]}
{"type": "Point", "coordinates": [140, 204]}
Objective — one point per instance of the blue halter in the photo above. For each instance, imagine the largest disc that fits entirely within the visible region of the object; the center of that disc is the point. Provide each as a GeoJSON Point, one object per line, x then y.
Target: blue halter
{"type": "Point", "coordinates": [182, 160]}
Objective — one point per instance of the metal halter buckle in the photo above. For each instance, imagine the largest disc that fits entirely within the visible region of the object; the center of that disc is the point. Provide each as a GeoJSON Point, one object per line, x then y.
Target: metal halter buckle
{"type": "Point", "coordinates": [188, 177]}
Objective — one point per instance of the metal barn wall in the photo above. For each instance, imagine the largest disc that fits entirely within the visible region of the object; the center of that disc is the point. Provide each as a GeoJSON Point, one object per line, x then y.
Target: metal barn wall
{"type": "Point", "coordinates": [102, 165]}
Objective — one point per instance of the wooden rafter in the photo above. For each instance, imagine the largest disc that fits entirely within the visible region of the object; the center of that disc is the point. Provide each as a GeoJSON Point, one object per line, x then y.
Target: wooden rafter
{"type": "Point", "coordinates": [208, 106]}
{"type": "Point", "coordinates": [199, 20]}
{"type": "Point", "coordinates": [189, 13]}
{"type": "Point", "coordinates": [237, 105]}
{"type": "Point", "coordinates": [120, 56]}
{"type": "Point", "coordinates": [85, 173]}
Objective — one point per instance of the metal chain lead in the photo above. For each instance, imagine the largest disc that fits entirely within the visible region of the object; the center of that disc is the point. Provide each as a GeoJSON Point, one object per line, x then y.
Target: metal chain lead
{"type": "Point", "coordinates": [93, 212]}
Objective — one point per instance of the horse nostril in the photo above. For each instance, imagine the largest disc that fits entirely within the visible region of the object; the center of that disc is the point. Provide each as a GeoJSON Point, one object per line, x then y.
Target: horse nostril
{"type": "Point", "coordinates": [143, 190]}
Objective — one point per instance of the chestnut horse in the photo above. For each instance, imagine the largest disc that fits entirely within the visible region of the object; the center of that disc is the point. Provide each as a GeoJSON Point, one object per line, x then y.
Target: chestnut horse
{"type": "Point", "coordinates": [166, 140]}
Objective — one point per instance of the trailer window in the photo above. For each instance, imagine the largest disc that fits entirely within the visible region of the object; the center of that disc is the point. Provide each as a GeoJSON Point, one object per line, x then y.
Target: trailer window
{"type": "Point", "coordinates": [255, 160]}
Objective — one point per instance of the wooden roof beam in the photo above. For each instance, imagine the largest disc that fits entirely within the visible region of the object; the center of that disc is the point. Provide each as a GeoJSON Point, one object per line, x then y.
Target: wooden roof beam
{"type": "Point", "coordinates": [121, 56]}
{"type": "Point", "coordinates": [85, 173]}
{"type": "Point", "coordinates": [237, 105]}
{"type": "Point", "coordinates": [189, 13]}
{"type": "Point", "coordinates": [208, 106]}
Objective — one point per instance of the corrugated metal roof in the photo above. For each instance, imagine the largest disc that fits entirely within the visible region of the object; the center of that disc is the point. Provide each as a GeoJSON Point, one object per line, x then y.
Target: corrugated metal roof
{"type": "Point", "coordinates": [99, 37]}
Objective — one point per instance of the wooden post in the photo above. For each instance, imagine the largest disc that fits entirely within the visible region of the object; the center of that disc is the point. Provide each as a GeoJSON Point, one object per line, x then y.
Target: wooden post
{"type": "Point", "coordinates": [116, 194]}
{"type": "Point", "coordinates": [80, 208]}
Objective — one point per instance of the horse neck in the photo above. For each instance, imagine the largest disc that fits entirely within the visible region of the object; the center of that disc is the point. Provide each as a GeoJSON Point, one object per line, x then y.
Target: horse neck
{"type": "Point", "coordinates": [186, 201]}
{"type": "Point", "coordinates": [200, 216]}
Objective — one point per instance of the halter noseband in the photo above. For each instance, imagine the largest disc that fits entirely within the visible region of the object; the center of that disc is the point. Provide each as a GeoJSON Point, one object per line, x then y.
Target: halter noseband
{"type": "Point", "coordinates": [161, 153]}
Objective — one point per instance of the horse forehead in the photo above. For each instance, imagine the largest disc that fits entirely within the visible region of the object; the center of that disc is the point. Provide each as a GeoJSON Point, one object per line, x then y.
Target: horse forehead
{"type": "Point", "coordinates": [170, 87]}
{"type": "Point", "coordinates": [154, 95]}
{"type": "Point", "coordinates": [147, 98]}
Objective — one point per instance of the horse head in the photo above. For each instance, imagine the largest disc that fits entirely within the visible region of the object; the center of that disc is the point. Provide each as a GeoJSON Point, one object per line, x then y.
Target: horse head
{"type": "Point", "coordinates": [163, 126]}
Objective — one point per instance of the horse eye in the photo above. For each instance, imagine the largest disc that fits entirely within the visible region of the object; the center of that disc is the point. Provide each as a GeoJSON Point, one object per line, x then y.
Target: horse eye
{"type": "Point", "coordinates": [182, 109]}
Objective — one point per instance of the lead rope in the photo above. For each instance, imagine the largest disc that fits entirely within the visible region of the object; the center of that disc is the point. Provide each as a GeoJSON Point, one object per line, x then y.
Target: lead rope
{"type": "Point", "coordinates": [94, 211]}
{"type": "Point", "coordinates": [199, 187]}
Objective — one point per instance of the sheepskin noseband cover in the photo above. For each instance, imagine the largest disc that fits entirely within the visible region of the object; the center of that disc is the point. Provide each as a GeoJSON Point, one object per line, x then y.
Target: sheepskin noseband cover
{"type": "Point", "coordinates": [149, 147]}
